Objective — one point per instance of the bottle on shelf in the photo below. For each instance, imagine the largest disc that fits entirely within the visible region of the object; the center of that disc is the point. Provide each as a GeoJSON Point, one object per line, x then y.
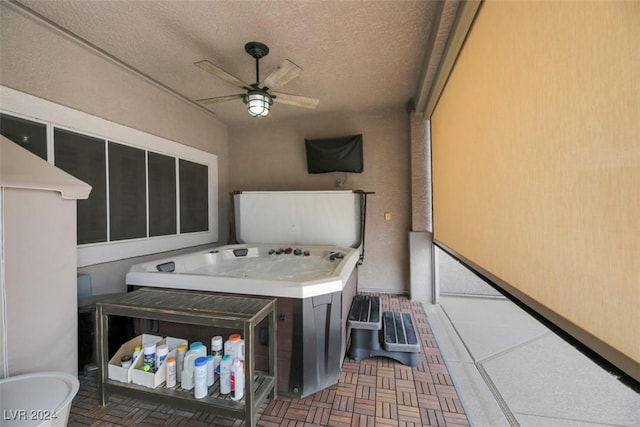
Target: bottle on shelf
{"type": "Point", "coordinates": [149, 363]}
{"type": "Point", "coordinates": [170, 364]}
{"type": "Point", "coordinates": [234, 347]}
{"type": "Point", "coordinates": [216, 352]}
{"type": "Point", "coordinates": [196, 349]}
{"type": "Point", "coordinates": [200, 378]}
{"type": "Point", "coordinates": [161, 354]}
{"type": "Point", "coordinates": [237, 380]}
{"type": "Point", "coordinates": [136, 352]}
{"type": "Point", "coordinates": [225, 374]}
{"type": "Point", "coordinates": [181, 350]}
{"type": "Point", "coordinates": [210, 371]}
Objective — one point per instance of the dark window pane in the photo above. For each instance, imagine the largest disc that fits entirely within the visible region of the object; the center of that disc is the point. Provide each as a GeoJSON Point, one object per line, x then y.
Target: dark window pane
{"type": "Point", "coordinates": [194, 198]}
{"type": "Point", "coordinates": [84, 158]}
{"type": "Point", "coordinates": [127, 192]}
{"type": "Point", "coordinates": [162, 195]}
{"type": "Point", "coordinates": [27, 134]}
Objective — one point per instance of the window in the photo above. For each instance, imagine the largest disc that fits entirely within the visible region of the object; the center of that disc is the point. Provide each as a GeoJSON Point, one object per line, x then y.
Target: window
{"type": "Point", "coordinates": [148, 194]}
{"type": "Point", "coordinates": [27, 134]}
{"type": "Point", "coordinates": [127, 192]}
{"type": "Point", "coordinates": [83, 157]}
{"type": "Point", "coordinates": [162, 194]}
{"type": "Point", "coordinates": [193, 200]}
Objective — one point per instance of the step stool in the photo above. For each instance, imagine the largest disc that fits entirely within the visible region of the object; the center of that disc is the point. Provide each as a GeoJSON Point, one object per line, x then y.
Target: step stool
{"type": "Point", "coordinates": [393, 329]}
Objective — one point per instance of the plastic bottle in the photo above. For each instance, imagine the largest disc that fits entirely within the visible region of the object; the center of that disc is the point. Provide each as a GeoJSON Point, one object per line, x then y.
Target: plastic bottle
{"type": "Point", "coordinates": [225, 374]}
{"type": "Point", "coordinates": [170, 364]}
{"type": "Point", "coordinates": [161, 354]}
{"type": "Point", "coordinates": [196, 349]}
{"type": "Point", "coordinates": [237, 380]}
{"type": "Point", "coordinates": [125, 361]}
{"type": "Point", "coordinates": [136, 352]}
{"type": "Point", "coordinates": [210, 370]}
{"type": "Point", "coordinates": [216, 352]}
{"type": "Point", "coordinates": [234, 347]}
{"type": "Point", "coordinates": [200, 378]}
{"type": "Point", "coordinates": [181, 350]}
{"type": "Point", "coordinates": [149, 357]}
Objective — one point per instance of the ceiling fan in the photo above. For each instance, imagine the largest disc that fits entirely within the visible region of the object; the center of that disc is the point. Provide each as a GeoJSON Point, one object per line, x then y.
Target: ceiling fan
{"type": "Point", "coordinates": [260, 95]}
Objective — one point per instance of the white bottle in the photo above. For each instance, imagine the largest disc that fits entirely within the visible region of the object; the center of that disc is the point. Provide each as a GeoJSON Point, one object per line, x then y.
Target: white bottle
{"type": "Point", "coordinates": [225, 374]}
{"type": "Point", "coordinates": [150, 357]}
{"type": "Point", "coordinates": [180, 353]}
{"type": "Point", "coordinates": [161, 354]}
{"type": "Point", "coordinates": [196, 349]}
{"type": "Point", "coordinates": [200, 378]}
{"type": "Point", "coordinates": [237, 380]}
{"type": "Point", "coordinates": [170, 364]}
{"type": "Point", "coordinates": [210, 370]}
{"type": "Point", "coordinates": [136, 352]}
{"type": "Point", "coordinates": [216, 352]}
{"type": "Point", "coordinates": [234, 347]}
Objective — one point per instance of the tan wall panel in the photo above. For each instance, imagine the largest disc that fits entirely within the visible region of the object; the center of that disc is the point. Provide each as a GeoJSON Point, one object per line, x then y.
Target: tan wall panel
{"type": "Point", "coordinates": [536, 158]}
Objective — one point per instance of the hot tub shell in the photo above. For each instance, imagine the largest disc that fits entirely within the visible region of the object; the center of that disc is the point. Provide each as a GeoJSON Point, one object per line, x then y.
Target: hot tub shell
{"type": "Point", "coordinates": [229, 269]}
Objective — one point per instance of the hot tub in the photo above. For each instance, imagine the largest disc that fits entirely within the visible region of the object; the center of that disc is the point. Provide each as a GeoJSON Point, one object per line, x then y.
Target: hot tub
{"type": "Point", "coordinates": [296, 271]}
{"type": "Point", "coordinates": [312, 272]}
{"type": "Point", "coordinates": [313, 284]}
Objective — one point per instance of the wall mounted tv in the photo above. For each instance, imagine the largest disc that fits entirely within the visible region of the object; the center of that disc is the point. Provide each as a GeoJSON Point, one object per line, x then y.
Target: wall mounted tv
{"type": "Point", "coordinates": [342, 154]}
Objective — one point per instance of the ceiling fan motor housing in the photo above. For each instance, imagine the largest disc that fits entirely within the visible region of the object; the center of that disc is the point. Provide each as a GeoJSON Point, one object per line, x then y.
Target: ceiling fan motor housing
{"type": "Point", "coordinates": [256, 49]}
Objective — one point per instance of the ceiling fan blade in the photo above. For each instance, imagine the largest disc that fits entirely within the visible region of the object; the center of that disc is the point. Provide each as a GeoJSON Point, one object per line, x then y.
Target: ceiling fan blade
{"type": "Point", "coordinates": [297, 100]}
{"type": "Point", "coordinates": [210, 67]}
{"type": "Point", "coordinates": [217, 99]}
{"type": "Point", "coordinates": [282, 75]}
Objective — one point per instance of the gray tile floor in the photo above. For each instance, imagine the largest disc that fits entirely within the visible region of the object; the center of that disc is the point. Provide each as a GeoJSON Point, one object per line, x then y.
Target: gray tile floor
{"type": "Point", "coordinates": [510, 369]}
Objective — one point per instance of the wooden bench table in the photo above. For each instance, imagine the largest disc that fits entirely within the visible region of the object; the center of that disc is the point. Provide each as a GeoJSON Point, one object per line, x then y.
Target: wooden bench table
{"type": "Point", "coordinates": [233, 312]}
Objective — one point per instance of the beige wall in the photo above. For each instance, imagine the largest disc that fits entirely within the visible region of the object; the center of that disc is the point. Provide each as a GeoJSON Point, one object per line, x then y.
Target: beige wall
{"type": "Point", "coordinates": [43, 62]}
{"type": "Point", "coordinates": [537, 163]}
{"type": "Point", "coordinates": [271, 156]}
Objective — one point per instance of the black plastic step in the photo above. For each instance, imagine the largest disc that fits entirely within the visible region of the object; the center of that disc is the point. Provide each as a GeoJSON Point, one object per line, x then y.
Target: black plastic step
{"type": "Point", "coordinates": [399, 332]}
{"type": "Point", "coordinates": [365, 313]}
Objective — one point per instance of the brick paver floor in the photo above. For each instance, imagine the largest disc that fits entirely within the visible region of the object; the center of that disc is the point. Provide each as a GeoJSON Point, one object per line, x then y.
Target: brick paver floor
{"type": "Point", "coordinates": [373, 392]}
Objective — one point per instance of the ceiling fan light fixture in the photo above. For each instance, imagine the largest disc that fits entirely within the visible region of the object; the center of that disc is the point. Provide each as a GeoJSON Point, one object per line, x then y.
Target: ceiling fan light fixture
{"type": "Point", "coordinates": [258, 103]}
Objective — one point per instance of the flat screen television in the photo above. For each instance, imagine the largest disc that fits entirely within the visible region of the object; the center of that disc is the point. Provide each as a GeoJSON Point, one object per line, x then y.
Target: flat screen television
{"type": "Point", "coordinates": [343, 154]}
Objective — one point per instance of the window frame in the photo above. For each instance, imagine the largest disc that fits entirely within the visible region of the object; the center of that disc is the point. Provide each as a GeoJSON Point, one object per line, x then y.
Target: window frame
{"type": "Point", "coordinates": [39, 110]}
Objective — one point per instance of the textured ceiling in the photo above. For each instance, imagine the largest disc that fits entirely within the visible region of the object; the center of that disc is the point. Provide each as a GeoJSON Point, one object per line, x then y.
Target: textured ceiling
{"type": "Point", "coordinates": [356, 55]}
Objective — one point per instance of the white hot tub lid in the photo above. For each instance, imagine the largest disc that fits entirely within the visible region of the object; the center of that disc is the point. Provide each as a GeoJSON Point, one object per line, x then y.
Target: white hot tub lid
{"type": "Point", "coordinates": [298, 217]}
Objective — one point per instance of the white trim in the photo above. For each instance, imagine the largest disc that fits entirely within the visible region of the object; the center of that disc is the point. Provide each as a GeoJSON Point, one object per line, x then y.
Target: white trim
{"type": "Point", "coordinates": [38, 109]}
{"type": "Point", "coordinates": [106, 193]}
{"type": "Point", "coordinates": [51, 155]}
{"type": "Point", "coordinates": [4, 369]}
{"type": "Point", "coordinates": [146, 190]}
{"type": "Point", "coordinates": [177, 166]}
